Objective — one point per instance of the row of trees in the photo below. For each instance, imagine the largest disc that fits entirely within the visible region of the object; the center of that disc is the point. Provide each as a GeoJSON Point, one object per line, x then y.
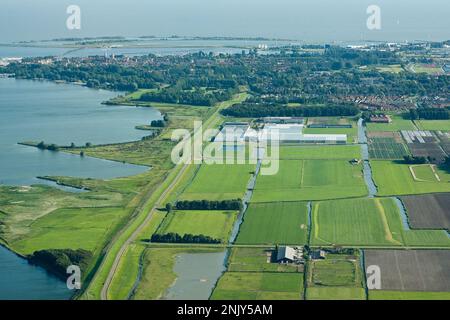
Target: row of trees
{"type": "Point", "coordinates": [430, 114]}
{"type": "Point", "coordinates": [198, 97]}
{"type": "Point", "coordinates": [235, 204]}
{"type": "Point", "coordinates": [57, 260]}
{"type": "Point", "coordinates": [187, 238]}
{"type": "Point", "coordinates": [256, 111]}
{"type": "Point", "coordinates": [415, 160]}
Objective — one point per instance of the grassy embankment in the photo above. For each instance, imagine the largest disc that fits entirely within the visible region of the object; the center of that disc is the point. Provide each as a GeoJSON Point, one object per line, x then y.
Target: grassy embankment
{"type": "Point", "coordinates": [122, 275]}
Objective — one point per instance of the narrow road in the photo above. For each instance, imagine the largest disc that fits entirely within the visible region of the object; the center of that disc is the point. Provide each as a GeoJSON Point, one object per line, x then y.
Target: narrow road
{"type": "Point", "coordinates": [112, 271]}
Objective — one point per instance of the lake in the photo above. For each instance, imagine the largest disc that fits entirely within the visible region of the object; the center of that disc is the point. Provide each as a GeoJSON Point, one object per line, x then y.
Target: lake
{"type": "Point", "coordinates": [20, 280]}
{"type": "Point", "coordinates": [62, 114]}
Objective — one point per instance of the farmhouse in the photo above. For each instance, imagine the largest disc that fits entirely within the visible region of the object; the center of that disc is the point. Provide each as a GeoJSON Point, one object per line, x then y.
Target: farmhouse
{"type": "Point", "coordinates": [318, 255]}
{"type": "Point", "coordinates": [289, 255]}
{"type": "Point", "coordinates": [380, 118]}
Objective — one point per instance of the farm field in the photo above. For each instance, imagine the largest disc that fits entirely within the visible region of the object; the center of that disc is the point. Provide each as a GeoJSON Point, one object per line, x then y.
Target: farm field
{"type": "Point", "coordinates": [259, 286]}
{"type": "Point", "coordinates": [338, 277]}
{"type": "Point", "coordinates": [76, 228]}
{"type": "Point", "coordinates": [433, 125]}
{"type": "Point", "coordinates": [412, 270]}
{"type": "Point", "coordinates": [216, 224]}
{"type": "Point", "coordinates": [430, 150]}
{"type": "Point", "coordinates": [299, 180]}
{"type": "Point", "coordinates": [386, 148]}
{"type": "Point", "coordinates": [426, 68]}
{"type": "Point", "coordinates": [393, 178]}
{"type": "Point", "coordinates": [219, 182]}
{"type": "Point", "coordinates": [303, 152]}
{"type": "Point", "coordinates": [405, 295]}
{"type": "Point", "coordinates": [397, 124]}
{"type": "Point", "coordinates": [368, 222]}
{"type": "Point", "coordinates": [257, 260]}
{"type": "Point", "coordinates": [428, 211]}
{"type": "Point", "coordinates": [275, 223]}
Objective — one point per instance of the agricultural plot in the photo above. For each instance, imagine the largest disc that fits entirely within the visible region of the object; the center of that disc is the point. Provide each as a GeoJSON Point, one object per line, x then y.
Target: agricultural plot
{"type": "Point", "coordinates": [216, 224]}
{"type": "Point", "coordinates": [430, 69]}
{"type": "Point", "coordinates": [396, 178]}
{"type": "Point", "coordinates": [296, 152]}
{"type": "Point", "coordinates": [444, 140]}
{"type": "Point", "coordinates": [275, 223]}
{"type": "Point", "coordinates": [412, 270]}
{"type": "Point", "coordinates": [368, 222]}
{"type": "Point", "coordinates": [407, 295]}
{"type": "Point", "coordinates": [338, 277]}
{"type": "Point", "coordinates": [299, 180]}
{"type": "Point", "coordinates": [219, 182]}
{"type": "Point", "coordinates": [386, 148]}
{"type": "Point", "coordinates": [77, 228]}
{"type": "Point", "coordinates": [433, 125]}
{"type": "Point", "coordinates": [429, 150]}
{"type": "Point", "coordinates": [428, 211]}
{"type": "Point", "coordinates": [259, 286]}
{"type": "Point", "coordinates": [398, 123]}
{"type": "Point", "coordinates": [257, 260]}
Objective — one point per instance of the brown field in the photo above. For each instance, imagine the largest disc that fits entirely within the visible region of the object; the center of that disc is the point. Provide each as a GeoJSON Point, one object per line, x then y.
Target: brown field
{"type": "Point", "coordinates": [445, 142]}
{"type": "Point", "coordinates": [429, 149]}
{"type": "Point", "coordinates": [385, 134]}
{"type": "Point", "coordinates": [412, 270]}
{"type": "Point", "coordinates": [431, 211]}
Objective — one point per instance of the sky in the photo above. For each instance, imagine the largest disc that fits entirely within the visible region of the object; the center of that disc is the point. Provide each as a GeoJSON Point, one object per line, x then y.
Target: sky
{"type": "Point", "coordinates": [309, 20]}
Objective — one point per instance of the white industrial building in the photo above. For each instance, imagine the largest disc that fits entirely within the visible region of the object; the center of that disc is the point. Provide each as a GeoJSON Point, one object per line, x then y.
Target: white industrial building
{"type": "Point", "coordinates": [283, 133]}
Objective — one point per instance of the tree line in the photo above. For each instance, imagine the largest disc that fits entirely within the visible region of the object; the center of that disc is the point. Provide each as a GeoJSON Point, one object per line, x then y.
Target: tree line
{"type": "Point", "coordinates": [430, 114]}
{"type": "Point", "coordinates": [267, 110]}
{"type": "Point", "coordinates": [187, 238]}
{"type": "Point", "coordinates": [235, 204]}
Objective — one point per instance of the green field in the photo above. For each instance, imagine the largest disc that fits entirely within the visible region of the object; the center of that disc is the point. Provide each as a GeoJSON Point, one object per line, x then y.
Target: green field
{"type": "Point", "coordinates": [424, 173]}
{"type": "Point", "coordinates": [394, 178]}
{"type": "Point", "coordinates": [402, 295]}
{"type": "Point", "coordinates": [335, 293]}
{"type": "Point", "coordinates": [368, 222]}
{"type": "Point", "coordinates": [78, 228]}
{"type": "Point", "coordinates": [338, 277]}
{"type": "Point", "coordinates": [259, 286]}
{"type": "Point", "coordinates": [433, 125]}
{"type": "Point", "coordinates": [299, 180]}
{"type": "Point", "coordinates": [331, 152]}
{"type": "Point", "coordinates": [216, 224]}
{"type": "Point", "coordinates": [256, 260]}
{"type": "Point", "coordinates": [219, 182]}
{"type": "Point", "coordinates": [386, 148]}
{"type": "Point", "coordinates": [397, 124]}
{"type": "Point", "coordinates": [275, 223]}
{"type": "Point", "coordinates": [394, 68]}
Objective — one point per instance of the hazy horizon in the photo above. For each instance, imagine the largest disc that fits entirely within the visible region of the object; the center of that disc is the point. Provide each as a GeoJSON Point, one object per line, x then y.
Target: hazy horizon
{"type": "Point", "coordinates": [308, 20]}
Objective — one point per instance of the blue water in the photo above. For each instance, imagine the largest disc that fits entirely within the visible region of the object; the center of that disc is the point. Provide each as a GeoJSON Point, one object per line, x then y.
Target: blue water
{"type": "Point", "coordinates": [20, 280]}
{"type": "Point", "coordinates": [62, 114]}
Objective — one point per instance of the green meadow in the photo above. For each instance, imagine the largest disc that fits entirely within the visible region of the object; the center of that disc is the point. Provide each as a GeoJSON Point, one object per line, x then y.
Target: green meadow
{"type": "Point", "coordinates": [219, 182]}
{"type": "Point", "coordinates": [398, 123]}
{"type": "Point", "coordinates": [299, 180]}
{"type": "Point", "coordinates": [275, 223]}
{"type": "Point", "coordinates": [394, 178]}
{"type": "Point", "coordinates": [303, 152]}
{"type": "Point", "coordinates": [256, 260]}
{"type": "Point", "coordinates": [216, 224]}
{"type": "Point", "coordinates": [259, 286]}
{"type": "Point", "coordinates": [433, 125]}
{"type": "Point", "coordinates": [368, 222]}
